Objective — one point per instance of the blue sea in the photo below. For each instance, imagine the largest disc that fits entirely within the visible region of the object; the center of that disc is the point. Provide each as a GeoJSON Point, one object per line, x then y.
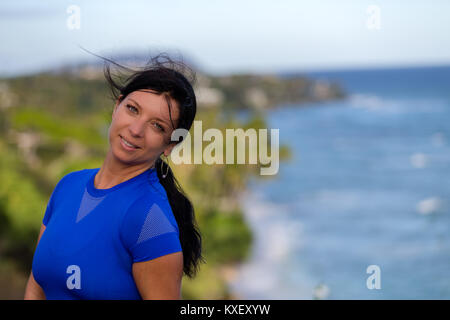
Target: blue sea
{"type": "Point", "coordinates": [368, 185]}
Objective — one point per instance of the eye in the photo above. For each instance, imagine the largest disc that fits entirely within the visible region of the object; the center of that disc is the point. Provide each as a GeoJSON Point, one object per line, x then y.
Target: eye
{"type": "Point", "coordinates": [130, 106]}
{"type": "Point", "coordinates": [161, 128]}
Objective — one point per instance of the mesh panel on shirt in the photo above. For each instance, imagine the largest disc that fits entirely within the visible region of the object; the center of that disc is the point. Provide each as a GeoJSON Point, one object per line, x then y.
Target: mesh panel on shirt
{"type": "Point", "coordinates": [156, 223]}
{"type": "Point", "coordinates": [87, 205]}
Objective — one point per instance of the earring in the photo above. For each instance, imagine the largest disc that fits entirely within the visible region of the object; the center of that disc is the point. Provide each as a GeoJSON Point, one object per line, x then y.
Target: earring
{"type": "Point", "coordinates": [167, 171]}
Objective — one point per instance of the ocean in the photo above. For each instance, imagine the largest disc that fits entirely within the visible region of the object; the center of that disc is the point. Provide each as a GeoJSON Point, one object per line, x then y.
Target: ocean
{"type": "Point", "coordinates": [367, 188]}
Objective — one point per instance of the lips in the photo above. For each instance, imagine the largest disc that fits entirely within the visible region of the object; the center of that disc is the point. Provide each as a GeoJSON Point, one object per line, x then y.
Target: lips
{"type": "Point", "coordinates": [129, 142]}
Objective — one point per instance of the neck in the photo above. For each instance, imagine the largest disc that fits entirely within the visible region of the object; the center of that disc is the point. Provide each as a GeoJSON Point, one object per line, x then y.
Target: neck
{"type": "Point", "coordinates": [113, 172]}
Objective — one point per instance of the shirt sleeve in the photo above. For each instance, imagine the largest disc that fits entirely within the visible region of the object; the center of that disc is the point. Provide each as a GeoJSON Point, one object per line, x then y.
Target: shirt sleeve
{"type": "Point", "coordinates": [51, 202]}
{"type": "Point", "coordinates": [149, 230]}
{"type": "Point", "coordinates": [48, 210]}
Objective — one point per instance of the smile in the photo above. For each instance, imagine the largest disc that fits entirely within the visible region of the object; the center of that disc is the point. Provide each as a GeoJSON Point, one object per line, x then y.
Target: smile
{"type": "Point", "coordinates": [128, 145]}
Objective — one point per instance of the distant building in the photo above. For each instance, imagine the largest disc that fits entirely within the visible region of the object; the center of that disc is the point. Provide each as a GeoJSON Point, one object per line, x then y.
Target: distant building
{"type": "Point", "coordinates": [209, 97]}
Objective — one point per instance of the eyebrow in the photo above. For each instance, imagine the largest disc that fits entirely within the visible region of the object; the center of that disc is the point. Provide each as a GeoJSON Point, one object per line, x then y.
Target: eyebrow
{"type": "Point", "coordinates": [164, 121]}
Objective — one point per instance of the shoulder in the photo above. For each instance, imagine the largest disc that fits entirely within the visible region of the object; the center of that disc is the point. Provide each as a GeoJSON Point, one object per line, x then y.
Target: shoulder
{"type": "Point", "coordinates": [63, 187]}
{"type": "Point", "coordinates": [76, 174]}
{"type": "Point", "coordinates": [67, 178]}
{"type": "Point", "coordinates": [153, 205]}
{"type": "Point", "coordinates": [153, 196]}
{"type": "Point", "coordinates": [156, 190]}
{"type": "Point", "coordinates": [149, 216]}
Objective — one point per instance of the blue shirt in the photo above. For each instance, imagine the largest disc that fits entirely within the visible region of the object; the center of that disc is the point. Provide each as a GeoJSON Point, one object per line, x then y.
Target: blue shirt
{"type": "Point", "coordinates": [93, 236]}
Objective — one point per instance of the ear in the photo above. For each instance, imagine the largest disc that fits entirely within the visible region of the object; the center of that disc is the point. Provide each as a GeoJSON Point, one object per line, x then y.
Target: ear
{"type": "Point", "coordinates": [168, 150]}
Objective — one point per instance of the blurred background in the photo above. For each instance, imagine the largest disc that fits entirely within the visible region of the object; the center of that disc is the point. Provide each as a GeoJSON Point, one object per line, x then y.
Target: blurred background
{"type": "Point", "coordinates": [360, 93]}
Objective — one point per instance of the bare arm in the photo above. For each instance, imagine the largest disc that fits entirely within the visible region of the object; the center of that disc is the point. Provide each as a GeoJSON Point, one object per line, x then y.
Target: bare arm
{"type": "Point", "coordinates": [160, 278]}
{"type": "Point", "coordinates": [33, 290]}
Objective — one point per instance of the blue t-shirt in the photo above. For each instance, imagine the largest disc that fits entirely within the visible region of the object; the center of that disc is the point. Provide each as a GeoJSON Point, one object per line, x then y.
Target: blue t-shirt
{"type": "Point", "coordinates": [93, 236]}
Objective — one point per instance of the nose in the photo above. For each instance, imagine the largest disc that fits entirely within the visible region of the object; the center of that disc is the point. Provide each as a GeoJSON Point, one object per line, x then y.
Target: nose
{"type": "Point", "coordinates": [136, 128]}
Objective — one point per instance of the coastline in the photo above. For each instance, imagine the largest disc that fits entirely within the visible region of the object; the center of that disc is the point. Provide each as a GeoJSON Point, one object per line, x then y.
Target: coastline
{"type": "Point", "coordinates": [273, 241]}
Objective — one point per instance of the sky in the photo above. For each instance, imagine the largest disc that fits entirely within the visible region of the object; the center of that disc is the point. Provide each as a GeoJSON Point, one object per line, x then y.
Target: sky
{"type": "Point", "coordinates": [228, 36]}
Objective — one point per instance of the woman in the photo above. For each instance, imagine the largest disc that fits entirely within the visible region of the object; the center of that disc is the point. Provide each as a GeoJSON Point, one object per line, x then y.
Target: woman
{"type": "Point", "coordinates": [125, 230]}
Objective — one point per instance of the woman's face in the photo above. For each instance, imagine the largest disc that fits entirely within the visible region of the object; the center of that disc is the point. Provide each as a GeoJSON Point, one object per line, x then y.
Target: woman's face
{"type": "Point", "coordinates": [142, 119]}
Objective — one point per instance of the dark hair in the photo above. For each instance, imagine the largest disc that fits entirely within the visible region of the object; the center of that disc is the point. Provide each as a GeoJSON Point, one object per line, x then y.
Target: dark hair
{"type": "Point", "coordinates": [166, 76]}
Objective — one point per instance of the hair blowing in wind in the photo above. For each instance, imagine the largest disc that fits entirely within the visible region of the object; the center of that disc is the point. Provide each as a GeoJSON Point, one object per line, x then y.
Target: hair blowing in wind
{"type": "Point", "coordinates": [174, 80]}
